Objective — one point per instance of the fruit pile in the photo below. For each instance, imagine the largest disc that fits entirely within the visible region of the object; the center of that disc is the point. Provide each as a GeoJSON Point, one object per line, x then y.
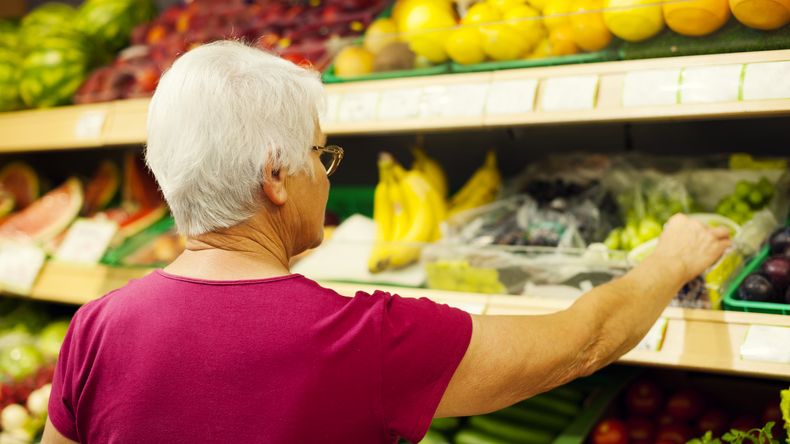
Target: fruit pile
{"type": "Point", "coordinates": [134, 202]}
{"type": "Point", "coordinates": [646, 415]}
{"type": "Point", "coordinates": [45, 59]}
{"type": "Point", "coordinates": [300, 32]}
{"type": "Point", "coordinates": [409, 206]}
{"type": "Point", "coordinates": [747, 198]}
{"type": "Point", "coordinates": [30, 346]}
{"type": "Point", "coordinates": [771, 283]}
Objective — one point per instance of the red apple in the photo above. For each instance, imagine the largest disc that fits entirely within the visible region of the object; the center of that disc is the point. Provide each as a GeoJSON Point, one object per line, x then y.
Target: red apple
{"type": "Point", "coordinates": [686, 405]}
{"type": "Point", "coordinates": [714, 420]}
{"type": "Point", "coordinates": [610, 431]}
{"type": "Point", "coordinates": [640, 430]}
{"type": "Point", "coordinates": [675, 433]}
{"type": "Point", "coordinates": [643, 398]}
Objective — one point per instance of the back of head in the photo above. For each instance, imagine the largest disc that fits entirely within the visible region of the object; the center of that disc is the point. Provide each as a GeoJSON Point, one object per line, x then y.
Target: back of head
{"type": "Point", "coordinates": [219, 115]}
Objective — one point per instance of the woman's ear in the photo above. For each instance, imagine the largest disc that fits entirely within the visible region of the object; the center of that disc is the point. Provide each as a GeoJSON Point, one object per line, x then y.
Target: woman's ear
{"type": "Point", "coordinates": [274, 186]}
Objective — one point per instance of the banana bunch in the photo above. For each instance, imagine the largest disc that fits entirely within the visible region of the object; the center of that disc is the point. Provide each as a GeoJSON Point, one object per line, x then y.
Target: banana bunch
{"type": "Point", "coordinates": [431, 169]}
{"type": "Point", "coordinates": [481, 189]}
{"type": "Point", "coordinates": [407, 211]}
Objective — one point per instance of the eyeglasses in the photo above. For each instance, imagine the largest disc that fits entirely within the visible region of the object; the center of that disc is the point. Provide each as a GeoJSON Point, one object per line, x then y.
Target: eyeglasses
{"type": "Point", "coordinates": [330, 156]}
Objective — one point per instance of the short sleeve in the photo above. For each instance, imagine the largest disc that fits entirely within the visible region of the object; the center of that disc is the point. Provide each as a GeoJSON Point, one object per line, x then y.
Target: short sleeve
{"type": "Point", "coordinates": [423, 344]}
{"type": "Point", "coordinates": [61, 406]}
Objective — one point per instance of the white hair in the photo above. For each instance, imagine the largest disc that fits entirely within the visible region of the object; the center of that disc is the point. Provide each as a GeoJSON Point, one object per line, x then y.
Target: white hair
{"type": "Point", "coordinates": [219, 115]}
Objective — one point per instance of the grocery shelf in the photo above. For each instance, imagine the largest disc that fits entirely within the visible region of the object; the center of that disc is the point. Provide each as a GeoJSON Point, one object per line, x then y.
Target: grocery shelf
{"type": "Point", "coordinates": [694, 339]}
{"type": "Point", "coordinates": [714, 86]}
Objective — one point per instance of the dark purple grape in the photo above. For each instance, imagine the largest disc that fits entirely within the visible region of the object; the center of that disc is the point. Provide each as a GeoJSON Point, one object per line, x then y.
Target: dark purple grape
{"type": "Point", "coordinates": [779, 240]}
{"type": "Point", "coordinates": [757, 288]}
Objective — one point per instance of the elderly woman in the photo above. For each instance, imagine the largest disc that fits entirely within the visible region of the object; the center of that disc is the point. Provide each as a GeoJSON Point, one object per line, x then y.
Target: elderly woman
{"type": "Point", "coordinates": [225, 345]}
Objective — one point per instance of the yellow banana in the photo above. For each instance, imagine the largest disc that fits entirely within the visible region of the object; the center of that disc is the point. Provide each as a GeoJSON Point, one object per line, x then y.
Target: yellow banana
{"type": "Point", "coordinates": [383, 215]}
{"type": "Point", "coordinates": [433, 172]}
{"type": "Point", "coordinates": [423, 222]}
{"type": "Point", "coordinates": [480, 189]}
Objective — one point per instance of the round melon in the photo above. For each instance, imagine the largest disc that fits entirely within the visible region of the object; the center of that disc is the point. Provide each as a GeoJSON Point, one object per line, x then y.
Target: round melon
{"type": "Point", "coordinates": [9, 34]}
{"type": "Point", "coordinates": [52, 73]}
{"type": "Point", "coordinates": [101, 189]}
{"type": "Point", "coordinates": [6, 202]}
{"type": "Point", "coordinates": [110, 22]}
{"type": "Point", "coordinates": [19, 179]}
{"type": "Point", "coordinates": [10, 74]}
{"type": "Point", "coordinates": [48, 20]}
{"type": "Point", "coordinates": [48, 216]}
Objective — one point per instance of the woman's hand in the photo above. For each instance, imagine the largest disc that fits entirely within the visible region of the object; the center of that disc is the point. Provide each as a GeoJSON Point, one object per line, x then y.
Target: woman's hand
{"type": "Point", "coordinates": [691, 245]}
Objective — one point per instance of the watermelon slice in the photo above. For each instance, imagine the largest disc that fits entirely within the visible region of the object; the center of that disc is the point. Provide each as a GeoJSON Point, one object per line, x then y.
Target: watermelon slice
{"type": "Point", "coordinates": [46, 217]}
{"type": "Point", "coordinates": [19, 179]}
{"type": "Point", "coordinates": [131, 223]}
{"type": "Point", "coordinates": [140, 187]}
{"type": "Point", "coordinates": [101, 189]}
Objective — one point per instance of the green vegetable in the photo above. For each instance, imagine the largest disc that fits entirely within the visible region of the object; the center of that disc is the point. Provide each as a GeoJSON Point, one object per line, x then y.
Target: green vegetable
{"type": "Point", "coordinates": [568, 393]}
{"type": "Point", "coordinates": [530, 417]}
{"type": "Point", "coordinates": [476, 437]}
{"type": "Point", "coordinates": [763, 436]}
{"type": "Point", "coordinates": [434, 437]}
{"type": "Point", "coordinates": [511, 433]}
{"type": "Point", "coordinates": [547, 403]}
{"type": "Point", "coordinates": [445, 424]}
{"type": "Point", "coordinates": [784, 405]}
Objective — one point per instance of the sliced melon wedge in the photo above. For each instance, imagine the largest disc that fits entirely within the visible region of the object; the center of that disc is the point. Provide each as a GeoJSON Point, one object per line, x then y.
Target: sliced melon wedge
{"type": "Point", "coordinates": [46, 217]}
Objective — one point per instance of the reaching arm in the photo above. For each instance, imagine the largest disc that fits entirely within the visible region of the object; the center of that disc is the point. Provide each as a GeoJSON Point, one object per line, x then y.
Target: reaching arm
{"type": "Point", "coordinates": [511, 358]}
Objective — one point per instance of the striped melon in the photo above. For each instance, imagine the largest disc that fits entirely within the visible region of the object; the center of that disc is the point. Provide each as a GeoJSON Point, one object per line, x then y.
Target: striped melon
{"type": "Point", "coordinates": [52, 73]}
{"type": "Point", "coordinates": [9, 34]}
{"type": "Point", "coordinates": [110, 22]}
{"type": "Point", "coordinates": [10, 73]}
{"type": "Point", "coordinates": [48, 20]}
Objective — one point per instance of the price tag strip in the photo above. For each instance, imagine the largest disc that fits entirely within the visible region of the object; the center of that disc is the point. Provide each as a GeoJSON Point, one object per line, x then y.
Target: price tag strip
{"type": "Point", "coordinates": [433, 101]}
{"type": "Point", "coordinates": [466, 100]}
{"type": "Point", "coordinates": [770, 80]}
{"type": "Point", "coordinates": [654, 339]}
{"type": "Point", "coordinates": [710, 84]}
{"type": "Point", "coordinates": [90, 124]}
{"type": "Point", "coordinates": [651, 88]}
{"type": "Point", "coordinates": [329, 113]}
{"type": "Point", "coordinates": [358, 107]}
{"type": "Point", "coordinates": [400, 104]}
{"type": "Point", "coordinates": [766, 343]}
{"type": "Point", "coordinates": [20, 264]}
{"type": "Point", "coordinates": [86, 241]}
{"type": "Point", "coordinates": [511, 97]}
{"type": "Point", "coordinates": [569, 93]}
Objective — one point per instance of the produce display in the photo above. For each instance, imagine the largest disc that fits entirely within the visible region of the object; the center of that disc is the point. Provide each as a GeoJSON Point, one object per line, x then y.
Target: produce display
{"type": "Point", "coordinates": [409, 206]}
{"type": "Point", "coordinates": [29, 345]}
{"type": "Point", "coordinates": [668, 412]}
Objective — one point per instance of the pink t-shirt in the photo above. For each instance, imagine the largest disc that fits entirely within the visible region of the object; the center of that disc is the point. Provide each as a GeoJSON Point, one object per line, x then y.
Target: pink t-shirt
{"type": "Point", "coordinates": [168, 359]}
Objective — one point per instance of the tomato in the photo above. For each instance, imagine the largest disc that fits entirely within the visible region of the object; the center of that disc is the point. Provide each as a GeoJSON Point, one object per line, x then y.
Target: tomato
{"type": "Point", "coordinates": [640, 430]}
{"type": "Point", "coordinates": [686, 405]}
{"type": "Point", "coordinates": [665, 419]}
{"type": "Point", "coordinates": [675, 433]}
{"type": "Point", "coordinates": [610, 431]}
{"type": "Point", "coordinates": [714, 420]}
{"type": "Point", "coordinates": [643, 398]}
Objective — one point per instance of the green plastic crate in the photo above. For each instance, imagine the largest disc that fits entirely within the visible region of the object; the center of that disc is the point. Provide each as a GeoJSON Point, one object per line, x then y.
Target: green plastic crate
{"type": "Point", "coordinates": [733, 37]}
{"type": "Point", "coordinates": [731, 301]}
{"type": "Point", "coordinates": [348, 200]}
{"type": "Point", "coordinates": [605, 55]}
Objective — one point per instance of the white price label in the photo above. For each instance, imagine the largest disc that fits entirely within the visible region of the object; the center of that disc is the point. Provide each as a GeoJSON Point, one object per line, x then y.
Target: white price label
{"type": "Point", "coordinates": [20, 264]}
{"type": "Point", "coordinates": [569, 93]}
{"type": "Point", "coordinates": [710, 84]}
{"type": "Point", "coordinates": [653, 87]}
{"type": "Point", "coordinates": [90, 124]}
{"type": "Point", "coordinates": [86, 241]}
{"type": "Point", "coordinates": [654, 339]}
{"type": "Point", "coordinates": [358, 107]}
{"type": "Point", "coordinates": [329, 113]}
{"type": "Point", "coordinates": [770, 80]}
{"type": "Point", "coordinates": [400, 104]}
{"type": "Point", "coordinates": [511, 97]}
{"type": "Point", "coordinates": [466, 100]}
{"type": "Point", "coordinates": [433, 101]}
{"type": "Point", "coordinates": [767, 343]}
